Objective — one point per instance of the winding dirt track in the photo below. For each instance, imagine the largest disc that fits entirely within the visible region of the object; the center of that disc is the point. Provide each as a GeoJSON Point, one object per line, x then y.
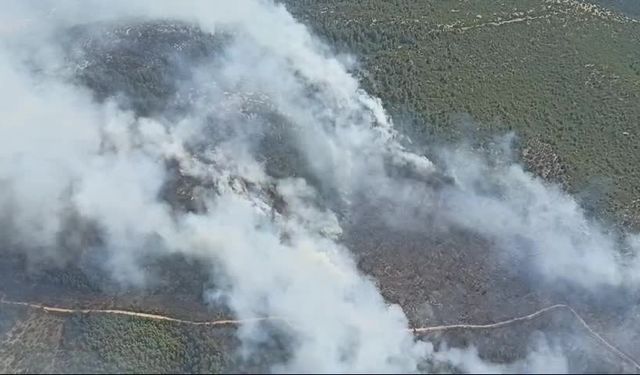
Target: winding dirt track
{"type": "Point", "coordinates": [506, 22]}
{"type": "Point", "coordinates": [601, 340]}
{"type": "Point", "coordinates": [418, 330]}
{"type": "Point", "coordinates": [62, 310]}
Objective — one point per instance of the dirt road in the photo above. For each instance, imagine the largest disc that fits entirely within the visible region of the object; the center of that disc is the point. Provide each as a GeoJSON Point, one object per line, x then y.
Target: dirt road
{"type": "Point", "coordinates": [417, 330]}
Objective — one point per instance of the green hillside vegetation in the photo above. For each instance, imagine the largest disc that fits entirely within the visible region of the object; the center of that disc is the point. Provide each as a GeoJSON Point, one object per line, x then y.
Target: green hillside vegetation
{"type": "Point", "coordinates": [560, 74]}
{"type": "Point", "coordinates": [631, 8]}
{"type": "Point", "coordinates": [34, 341]}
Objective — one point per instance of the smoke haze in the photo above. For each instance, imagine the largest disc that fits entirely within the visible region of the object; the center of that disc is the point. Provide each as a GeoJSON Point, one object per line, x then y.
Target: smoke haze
{"type": "Point", "coordinates": [283, 149]}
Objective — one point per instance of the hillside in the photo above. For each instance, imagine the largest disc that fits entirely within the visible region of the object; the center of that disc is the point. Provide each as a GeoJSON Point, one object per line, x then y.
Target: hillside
{"type": "Point", "coordinates": [563, 76]}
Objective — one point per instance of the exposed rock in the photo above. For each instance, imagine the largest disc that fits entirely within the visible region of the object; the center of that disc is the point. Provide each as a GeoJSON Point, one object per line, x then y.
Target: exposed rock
{"type": "Point", "coordinates": [541, 159]}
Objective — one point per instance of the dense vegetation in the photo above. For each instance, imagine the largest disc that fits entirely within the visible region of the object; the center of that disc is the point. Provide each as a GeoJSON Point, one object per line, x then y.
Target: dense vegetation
{"type": "Point", "coordinates": [558, 73]}
{"type": "Point", "coordinates": [128, 344]}
{"type": "Point", "coordinates": [44, 342]}
{"type": "Point", "coordinates": [629, 7]}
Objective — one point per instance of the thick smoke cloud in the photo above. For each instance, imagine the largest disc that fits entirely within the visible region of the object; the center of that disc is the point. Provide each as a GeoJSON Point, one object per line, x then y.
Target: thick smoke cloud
{"type": "Point", "coordinates": [543, 359]}
{"type": "Point", "coordinates": [70, 156]}
{"type": "Point", "coordinates": [537, 223]}
{"type": "Point", "coordinates": [66, 158]}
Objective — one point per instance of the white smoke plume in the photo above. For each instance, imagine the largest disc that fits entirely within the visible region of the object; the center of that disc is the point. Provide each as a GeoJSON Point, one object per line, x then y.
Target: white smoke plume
{"type": "Point", "coordinates": [65, 155]}
{"type": "Point", "coordinates": [543, 359]}
{"type": "Point", "coordinates": [538, 222]}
